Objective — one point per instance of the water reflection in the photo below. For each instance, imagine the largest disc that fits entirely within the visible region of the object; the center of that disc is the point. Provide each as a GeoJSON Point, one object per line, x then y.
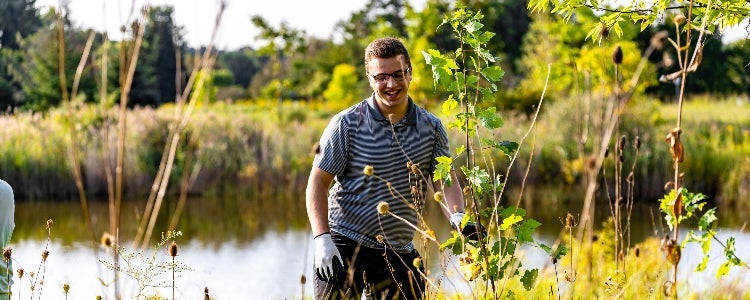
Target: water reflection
{"type": "Point", "coordinates": [248, 245]}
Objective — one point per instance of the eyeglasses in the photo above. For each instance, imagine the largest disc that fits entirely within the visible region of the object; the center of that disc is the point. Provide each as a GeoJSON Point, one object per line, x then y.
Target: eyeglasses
{"type": "Point", "coordinates": [397, 76]}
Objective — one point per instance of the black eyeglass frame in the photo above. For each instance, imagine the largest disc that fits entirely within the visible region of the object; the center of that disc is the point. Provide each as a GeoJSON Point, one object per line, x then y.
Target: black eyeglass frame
{"type": "Point", "coordinates": [399, 76]}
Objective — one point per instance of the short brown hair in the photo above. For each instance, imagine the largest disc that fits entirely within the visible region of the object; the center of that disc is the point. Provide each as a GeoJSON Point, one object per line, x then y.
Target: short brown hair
{"type": "Point", "coordinates": [386, 48]}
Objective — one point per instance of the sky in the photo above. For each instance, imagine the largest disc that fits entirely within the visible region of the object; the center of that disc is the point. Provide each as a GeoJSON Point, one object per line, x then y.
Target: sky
{"type": "Point", "coordinates": [316, 17]}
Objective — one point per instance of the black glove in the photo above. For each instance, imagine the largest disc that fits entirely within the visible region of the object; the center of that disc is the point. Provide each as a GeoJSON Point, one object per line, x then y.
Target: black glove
{"type": "Point", "coordinates": [339, 273]}
{"type": "Point", "coordinates": [473, 231]}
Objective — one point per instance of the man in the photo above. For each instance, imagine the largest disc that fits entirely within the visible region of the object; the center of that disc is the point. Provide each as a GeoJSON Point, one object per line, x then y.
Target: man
{"type": "Point", "coordinates": [382, 149]}
{"type": "Point", "coordinates": [7, 208]}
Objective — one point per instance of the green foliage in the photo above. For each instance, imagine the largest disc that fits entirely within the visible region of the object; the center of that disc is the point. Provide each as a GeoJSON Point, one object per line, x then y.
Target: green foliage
{"type": "Point", "coordinates": [718, 15]}
{"type": "Point", "coordinates": [343, 82]}
{"type": "Point", "coordinates": [470, 75]}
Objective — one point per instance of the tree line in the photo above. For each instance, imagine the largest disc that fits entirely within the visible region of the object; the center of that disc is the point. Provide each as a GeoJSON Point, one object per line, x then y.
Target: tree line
{"type": "Point", "coordinates": [293, 65]}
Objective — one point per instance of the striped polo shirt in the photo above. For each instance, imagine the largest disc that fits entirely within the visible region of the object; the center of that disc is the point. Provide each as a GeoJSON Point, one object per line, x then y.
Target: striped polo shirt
{"type": "Point", "coordinates": [360, 136]}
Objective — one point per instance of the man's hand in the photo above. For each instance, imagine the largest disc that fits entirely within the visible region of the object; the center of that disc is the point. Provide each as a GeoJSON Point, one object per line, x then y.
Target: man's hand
{"type": "Point", "coordinates": [328, 266]}
{"type": "Point", "coordinates": [473, 231]}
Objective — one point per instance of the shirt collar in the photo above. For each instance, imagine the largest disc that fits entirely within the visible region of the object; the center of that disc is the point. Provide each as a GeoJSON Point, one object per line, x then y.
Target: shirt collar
{"type": "Point", "coordinates": [409, 119]}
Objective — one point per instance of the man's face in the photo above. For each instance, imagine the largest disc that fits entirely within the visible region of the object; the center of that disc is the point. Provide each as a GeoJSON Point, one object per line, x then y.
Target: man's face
{"type": "Point", "coordinates": [389, 79]}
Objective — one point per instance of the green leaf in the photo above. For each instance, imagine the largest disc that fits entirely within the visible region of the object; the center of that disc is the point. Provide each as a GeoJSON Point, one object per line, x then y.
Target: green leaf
{"type": "Point", "coordinates": [473, 26]}
{"type": "Point", "coordinates": [506, 146]}
{"type": "Point", "coordinates": [526, 230]}
{"type": "Point", "coordinates": [489, 119]}
{"type": "Point", "coordinates": [449, 105]}
{"type": "Point", "coordinates": [723, 269]}
{"type": "Point", "coordinates": [443, 169]}
{"type": "Point", "coordinates": [702, 265]}
{"type": "Point", "coordinates": [510, 221]}
{"type": "Point", "coordinates": [453, 243]}
{"type": "Point", "coordinates": [493, 73]}
{"type": "Point", "coordinates": [707, 219]}
{"type": "Point", "coordinates": [529, 277]}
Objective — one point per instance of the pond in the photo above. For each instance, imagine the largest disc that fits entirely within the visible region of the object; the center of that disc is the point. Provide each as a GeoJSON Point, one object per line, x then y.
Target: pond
{"type": "Point", "coordinates": [242, 246]}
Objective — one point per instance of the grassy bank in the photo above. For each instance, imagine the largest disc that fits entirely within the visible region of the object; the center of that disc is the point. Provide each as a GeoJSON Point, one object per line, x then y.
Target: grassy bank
{"type": "Point", "coordinates": [267, 147]}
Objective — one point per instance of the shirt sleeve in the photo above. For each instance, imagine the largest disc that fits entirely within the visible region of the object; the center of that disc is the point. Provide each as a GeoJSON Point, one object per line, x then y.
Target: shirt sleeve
{"type": "Point", "coordinates": [334, 146]}
{"type": "Point", "coordinates": [442, 147]}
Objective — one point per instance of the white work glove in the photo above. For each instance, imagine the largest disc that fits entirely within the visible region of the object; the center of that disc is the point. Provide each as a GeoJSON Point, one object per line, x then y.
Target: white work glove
{"type": "Point", "coordinates": [455, 219]}
{"type": "Point", "coordinates": [328, 265]}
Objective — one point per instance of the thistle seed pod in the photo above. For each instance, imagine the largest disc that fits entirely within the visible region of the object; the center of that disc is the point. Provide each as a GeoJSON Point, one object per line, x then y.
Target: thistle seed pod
{"type": "Point", "coordinates": [617, 55]}
{"type": "Point", "coordinates": [569, 220]}
{"type": "Point", "coordinates": [45, 254]}
{"type": "Point", "coordinates": [415, 169]}
{"type": "Point", "coordinates": [66, 288]}
{"type": "Point", "coordinates": [383, 207]}
{"type": "Point", "coordinates": [369, 170]}
{"type": "Point", "coordinates": [438, 197]}
{"type": "Point", "coordinates": [20, 272]}
{"type": "Point", "coordinates": [417, 262]}
{"type": "Point", "coordinates": [106, 240]}
{"type": "Point", "coordinates": [7, 253]}
{"type": "Point", "coordinates": [173, 249]}
{"type": "Point", "coordinates": [49, 224]}
{"type": "Point", "coordinates": [621, 143]}
{"type": "Point", "coordinates": [680, 19]}
{"type": "Point", "coordinates": [603, 31]}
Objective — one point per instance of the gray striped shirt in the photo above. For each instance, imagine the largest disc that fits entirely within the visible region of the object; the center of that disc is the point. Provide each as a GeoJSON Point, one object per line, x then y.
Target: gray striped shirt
{"type": "Point", "coordinates": [360, 136]}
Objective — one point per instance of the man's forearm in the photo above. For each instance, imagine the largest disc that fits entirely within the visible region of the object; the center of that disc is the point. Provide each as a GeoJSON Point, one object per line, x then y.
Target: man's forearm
{"type": "Point", "coordinates": [316, 200]}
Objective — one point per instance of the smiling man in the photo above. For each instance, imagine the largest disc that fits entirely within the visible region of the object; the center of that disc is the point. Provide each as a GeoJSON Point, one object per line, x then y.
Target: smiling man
{"type": "Point", "coordinates": [379, 155]}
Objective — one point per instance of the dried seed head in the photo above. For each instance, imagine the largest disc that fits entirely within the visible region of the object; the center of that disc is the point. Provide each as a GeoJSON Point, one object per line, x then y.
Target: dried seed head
{"type": "Point", "coordinates": [621, 143]}
{"type": "Point", "coordinates": [98, 297]}
{"type": "Point", "coordinates": [414, 190]}
{"type": "Point", "coordinates": [675, 145]}
{"type": "Point", "coordinates": [617, 55]}
{"type": "Point", "coordinates": [595, 238]}
{"type": "Point", "coordinates": [603, 31]}
{"type": "Point", "coordinates": [408, 165]}
{"type": "Point", "coordinates": [383, 207]}
{"type": "Point", "coordinates": [606, 152]}
{"type": "Point", "coordinates": [369, 170]}
{"type": "Point", "coordinates": [206, 296]}
{"type": "Point", "coordinates": [438, 197]}
{"type": "Point", "coordinates": [621, 256]}
{"type": "Point", "coordinates": [7, 253]}
{"type": "Point", "coordinates": [631, 177]}
{"type": "Point", "coordinates": [554, 260]}
{"type": "Point", "coordinates": [590, 162]}
{"type": "Point", "coordinates": [415, 169]}
{"type": "Point", "coordinates": [106, 240]}
{"type": "Point", "coordinates": [20, 272]}
{"type": "Point", "coordinates": [637, 251]}
{"type": "Point", "coordinates": [569, 220]}
{"type": "Point", "coordinates": [380, 238]}
{"type": "Point", "coordinates": [49, 224]}
{"type": "Point", "coordinates": [637, 143]}
{"type": "Point", "coordinates": [466, 190]}
{"type": "Point", "coordinates": [680, 19]}
{"type": "Point", "coordinates": [173, 249]}
{"type": "Point", "coordinates": [302, 279]}
{"type": "Point", "coordinates": [66, 288]}
{"type": "Point", "coordinates": [45, 254]}
{"type": "Point", "coordinates": [417, 262]}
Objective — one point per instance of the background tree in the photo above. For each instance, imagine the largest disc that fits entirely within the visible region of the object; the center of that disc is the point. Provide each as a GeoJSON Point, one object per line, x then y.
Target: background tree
{"type": "Point", "coordinates": [38, 71]}
{"type": "Point", "coordinates": [155, 82]}
{"type": "Point", "coordinates": [18, 20]}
